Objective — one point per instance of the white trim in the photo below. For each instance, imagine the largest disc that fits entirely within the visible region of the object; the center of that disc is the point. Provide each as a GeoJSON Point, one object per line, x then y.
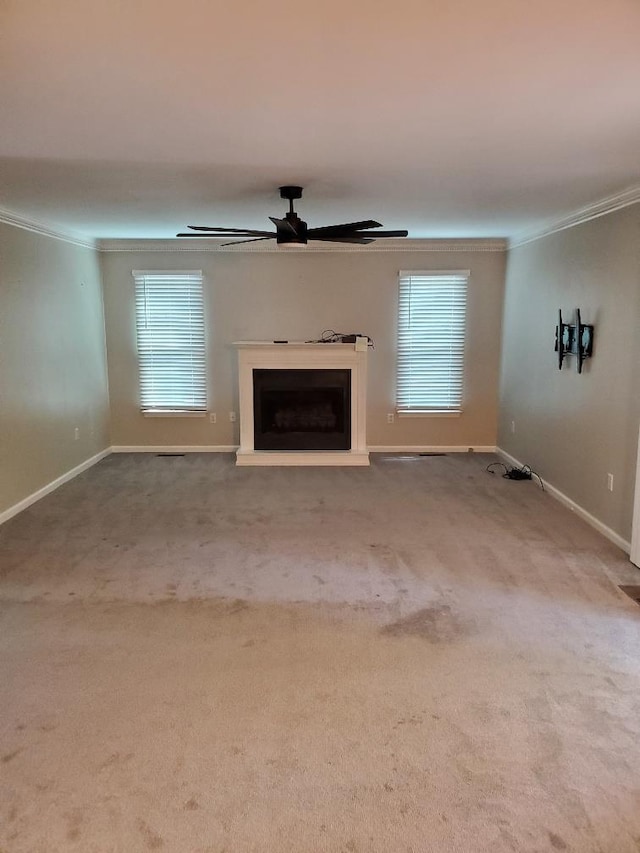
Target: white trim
{"type": "Point", "coordinates": [176, 413]}
{"type": "Point", "coordinates": [301, 457]}
{"type": "Point", "coordinates": [9, 218]}
{"type": "Point", "coordinates": [174, 448]}
{"type": "Point", "coordinates": [209, 244]}
{"type": "Point", "coordinates": [432, 448]}
{"type": "Point", "coordinates": [634, 550]}
{"type": "Point", "coordinates": [50, 487]}
{"type": "Point", "coordinates": [408, 413]}
{"type": "Point", "coordinates": [434, 273]}
{"type": "Point", "coordinates": [591, 520]}
{"type": "Point", "coordinates": [604, 206]}
{"type": "Point", "coordinates": [312, 356]}
{"type": "Point", "coordinates": [233, 448]}
{"type": "Point", "coordinates": [323, 459]}
{"type": "Point", "coordinates": [601, 207]}
{"type": "Point", "coordinates": [165, 272]}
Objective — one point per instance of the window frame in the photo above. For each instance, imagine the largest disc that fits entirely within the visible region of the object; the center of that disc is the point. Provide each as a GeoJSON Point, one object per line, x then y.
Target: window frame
{"type": "Point", "coordinates": [456, 345]}
{"type": "Point", "coordinates": [200, 389]}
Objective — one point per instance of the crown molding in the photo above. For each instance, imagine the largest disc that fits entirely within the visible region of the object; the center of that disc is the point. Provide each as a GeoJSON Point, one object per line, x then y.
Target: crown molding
{"type": "Point", "coordinates": [7, 217]}
{"type": "Point", "coordinates": [208, 244]}
{"type": "Point", "coordinates": [617, 201]}
{"type": "Point", "coordinates": [610, 204]}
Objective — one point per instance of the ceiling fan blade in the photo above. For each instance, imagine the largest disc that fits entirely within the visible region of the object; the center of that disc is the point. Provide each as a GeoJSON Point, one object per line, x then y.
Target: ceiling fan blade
{"type": "Point", "coordinates": [346, 239]}
{"type": "Point", "coordinates": [376, 234]}
{"type": "Point", "coordinates": [284, 225]}
{"type": "Point", "coordinates": [229, 230]}
{"type": "Point", "coordinates": [213, 235]}
{"type": "Point", "coordinates": [346, 227]}
{"type": "Point", "coordinates": [255, 240]}
{"type": "Point", "coordinates": [340, 235]}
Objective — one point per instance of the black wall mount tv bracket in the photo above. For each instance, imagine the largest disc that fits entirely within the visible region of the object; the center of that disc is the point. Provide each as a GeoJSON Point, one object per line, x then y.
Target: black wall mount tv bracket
{"type": "Point", "coordinates": [573, 339]}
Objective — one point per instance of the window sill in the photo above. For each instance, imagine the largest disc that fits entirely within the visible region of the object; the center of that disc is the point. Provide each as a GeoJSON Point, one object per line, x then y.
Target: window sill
{"type": "Point", "coordinates": [159, 413]}
{"type": "Point", "coordinates": [429, 414]}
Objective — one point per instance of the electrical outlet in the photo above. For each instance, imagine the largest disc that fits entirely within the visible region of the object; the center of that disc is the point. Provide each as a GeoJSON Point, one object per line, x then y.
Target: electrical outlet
{"type": "Point", "coordinates": [513, 426]}
{"type": "Point", "coordinates": [232, 417]}
{"type": "Point", "coordinates": [212, 417]}
{"type": "Point", "coordinates": [390, 418]}
{"type": "Point", "coordinates": [76, 434]}
{"type": "Point", "coordinates": [610, 482]}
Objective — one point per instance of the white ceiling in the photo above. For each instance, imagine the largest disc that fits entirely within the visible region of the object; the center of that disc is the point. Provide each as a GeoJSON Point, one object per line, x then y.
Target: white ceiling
{"type": "Point", "coordinates": [452, 118]}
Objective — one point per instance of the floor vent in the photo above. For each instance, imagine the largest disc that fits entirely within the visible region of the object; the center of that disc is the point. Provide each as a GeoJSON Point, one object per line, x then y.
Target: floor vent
{"type": "Point", "coordinates": [633, 592]}
{"type": "Point", "coordinates": [169, 454]}
{"type": "Point", "coordinates": [408, 457]}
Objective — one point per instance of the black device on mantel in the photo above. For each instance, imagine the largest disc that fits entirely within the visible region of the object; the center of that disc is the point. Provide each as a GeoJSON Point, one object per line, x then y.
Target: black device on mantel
{"type": "Point", "coordinates": [349, 339]}
{"type": "Point", "coordinates": [331, 337]}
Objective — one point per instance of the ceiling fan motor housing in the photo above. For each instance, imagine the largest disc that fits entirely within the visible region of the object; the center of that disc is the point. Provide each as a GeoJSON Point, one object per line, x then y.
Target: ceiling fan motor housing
{"type": "Point", "coordinates": [295, 234]}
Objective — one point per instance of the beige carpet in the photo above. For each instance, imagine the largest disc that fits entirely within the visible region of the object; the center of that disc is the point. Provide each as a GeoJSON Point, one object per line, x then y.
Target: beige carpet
{"type": "Point", "coordinates": [412, 657]}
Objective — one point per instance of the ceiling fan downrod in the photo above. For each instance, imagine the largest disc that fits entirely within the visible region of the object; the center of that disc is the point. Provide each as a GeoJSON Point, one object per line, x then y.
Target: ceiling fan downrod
{"type": "Point", "coordinates": [290, 193]}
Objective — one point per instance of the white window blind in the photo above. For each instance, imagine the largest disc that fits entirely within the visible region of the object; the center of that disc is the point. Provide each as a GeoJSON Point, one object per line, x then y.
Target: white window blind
{"type": "Point", "coordinates": [171, 346]}
{"type": "Point", "coordinates": [431, 329]}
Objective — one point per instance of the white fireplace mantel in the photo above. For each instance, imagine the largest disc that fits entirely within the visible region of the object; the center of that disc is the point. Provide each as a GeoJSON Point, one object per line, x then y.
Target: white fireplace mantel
{"type": "Point", "coordinates": [302, 356]}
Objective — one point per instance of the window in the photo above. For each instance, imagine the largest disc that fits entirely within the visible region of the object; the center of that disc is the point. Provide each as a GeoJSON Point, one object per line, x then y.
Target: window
{"type": "Point", "coordinates": [431, 327]}
{"type": "Point", "coordinates": [171, 349]}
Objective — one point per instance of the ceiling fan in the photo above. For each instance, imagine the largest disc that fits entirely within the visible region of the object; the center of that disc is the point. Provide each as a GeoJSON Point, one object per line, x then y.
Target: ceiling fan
{"type": "Point", "coordinates": [292, 231]}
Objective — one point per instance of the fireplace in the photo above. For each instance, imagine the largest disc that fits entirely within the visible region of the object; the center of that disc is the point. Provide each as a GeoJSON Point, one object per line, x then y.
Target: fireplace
{"type": "Point", "coordinates": [301, 409]}
{"type": "Point", "coordinates": [301, 404]}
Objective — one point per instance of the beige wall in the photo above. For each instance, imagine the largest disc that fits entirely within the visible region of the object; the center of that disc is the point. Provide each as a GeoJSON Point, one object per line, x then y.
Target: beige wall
{"type": "Point", "coordinates": [265, 296]}
{"type": "Point", "coordinates": [52, 361]}
{"type": "Point", "coordinates": [574, 429]}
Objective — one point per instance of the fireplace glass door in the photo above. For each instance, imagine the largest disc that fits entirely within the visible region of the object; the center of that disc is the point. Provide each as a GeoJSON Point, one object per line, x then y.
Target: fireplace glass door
{"type": "Point", "coordinates": [302, 409]}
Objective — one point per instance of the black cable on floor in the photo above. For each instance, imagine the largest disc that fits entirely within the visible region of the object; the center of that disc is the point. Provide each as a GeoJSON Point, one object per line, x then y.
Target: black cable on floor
{"type": "Point", "coordinates": [523, 473]}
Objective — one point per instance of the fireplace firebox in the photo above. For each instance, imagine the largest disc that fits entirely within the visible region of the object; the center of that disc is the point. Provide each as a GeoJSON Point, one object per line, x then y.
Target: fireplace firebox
{"type": "Point", "coordinates": [302, 409]}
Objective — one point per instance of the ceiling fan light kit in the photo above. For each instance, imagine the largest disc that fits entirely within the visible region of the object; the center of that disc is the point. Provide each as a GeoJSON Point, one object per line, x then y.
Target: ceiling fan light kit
{"type": "Point", "coordinates": [291, 231]}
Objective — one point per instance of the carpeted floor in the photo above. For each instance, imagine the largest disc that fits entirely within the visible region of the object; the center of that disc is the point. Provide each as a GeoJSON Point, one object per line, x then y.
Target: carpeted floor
{"type": "Point", "coordinates": [415, 657]}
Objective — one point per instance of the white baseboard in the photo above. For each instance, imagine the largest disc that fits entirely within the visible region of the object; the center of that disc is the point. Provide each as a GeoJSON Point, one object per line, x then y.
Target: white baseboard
{"type": "Point", "coordinates": [232, 448]}
{"type": "Point", "coordinates": [88, 463]}
{"type": "Point", "coordinates": [591, 520]}
{"type": "Point", "coordinates": [427, 448]}
{"type": "Point", "coordinates": [50, 487]}
{"type": "Point", "coordinates": [165, 448]}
